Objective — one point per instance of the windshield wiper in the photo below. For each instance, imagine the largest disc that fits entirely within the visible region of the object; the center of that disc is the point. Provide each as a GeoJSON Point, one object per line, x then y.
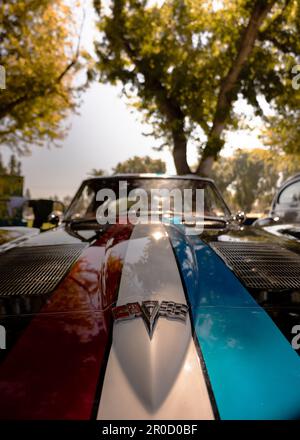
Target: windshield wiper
{"type": "Point", "coordinates": [209, 218]}
{"type": "Point", "coordinates": [92, 223]}
{"type": "Point", "coordinates": [79, 223]}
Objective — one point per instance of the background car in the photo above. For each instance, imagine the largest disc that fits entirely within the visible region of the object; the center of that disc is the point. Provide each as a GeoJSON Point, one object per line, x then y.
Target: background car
{"type": "Point", "coordinates": [285, 206]}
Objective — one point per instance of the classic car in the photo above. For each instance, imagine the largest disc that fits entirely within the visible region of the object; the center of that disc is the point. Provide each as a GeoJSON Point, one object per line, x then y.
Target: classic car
{"type": "Point", "coordinates": [172, 317]}
{"type": "Point", "coordinates": [285, 207]}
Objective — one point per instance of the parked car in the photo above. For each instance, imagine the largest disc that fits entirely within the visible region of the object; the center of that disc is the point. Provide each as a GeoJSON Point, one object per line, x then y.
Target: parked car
{"type": "Point", "coordinates": [183, 317]}
{"type": "Point", "coordinates": [285, 206]}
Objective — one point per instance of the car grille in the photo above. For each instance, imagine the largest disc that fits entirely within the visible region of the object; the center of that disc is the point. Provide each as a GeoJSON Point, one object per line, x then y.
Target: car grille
{"type": "Point", "coordinates": [261, 265]}
{"type": "Point", "coordinates": [35, 270]}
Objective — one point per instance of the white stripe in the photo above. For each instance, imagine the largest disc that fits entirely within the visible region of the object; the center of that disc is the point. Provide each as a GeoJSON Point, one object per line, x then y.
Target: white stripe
{"type": "Point", "coordinates": [158, 378]}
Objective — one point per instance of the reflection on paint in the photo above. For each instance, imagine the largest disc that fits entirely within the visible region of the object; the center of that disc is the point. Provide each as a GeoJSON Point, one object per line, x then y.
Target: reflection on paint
{"type": "Point", "coordinates": [52, 370]}
{"type": "Point", "coordinates": [253, 370]}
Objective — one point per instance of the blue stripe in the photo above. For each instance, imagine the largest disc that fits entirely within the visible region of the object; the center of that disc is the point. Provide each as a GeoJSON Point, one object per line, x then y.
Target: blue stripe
{"type": "Point", "coordinates": [253, 370]}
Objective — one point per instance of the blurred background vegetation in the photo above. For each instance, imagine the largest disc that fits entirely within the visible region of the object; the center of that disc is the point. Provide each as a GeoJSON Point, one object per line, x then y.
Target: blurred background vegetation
{"type": "Point", "coordinates": [194, 70]}
{"type": "Point", "coordinates": [248, 179]}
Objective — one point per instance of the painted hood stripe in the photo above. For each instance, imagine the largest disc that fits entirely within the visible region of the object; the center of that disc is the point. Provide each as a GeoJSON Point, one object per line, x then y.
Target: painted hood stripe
{"type": "Point", "coordinates": [254, 372]}
{"type": "Point", "coordinates": [158, 377]}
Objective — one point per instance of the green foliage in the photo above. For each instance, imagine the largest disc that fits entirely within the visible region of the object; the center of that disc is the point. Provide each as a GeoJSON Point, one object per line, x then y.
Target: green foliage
{"type": "Point", "coordinates": [172, 59]}
{"type": "Point", "coordinates": [140, 165]}
{"type": "Point", "coordinates": [248, 170]}
{"type": "Point", "coordinates": [283, 132]}
{"type": "Point", "coordinates": [96, 172]}
{"type": "Point", "coordinates": [37, 52]}
{"type": "Point", "coordinates": [249, 178]}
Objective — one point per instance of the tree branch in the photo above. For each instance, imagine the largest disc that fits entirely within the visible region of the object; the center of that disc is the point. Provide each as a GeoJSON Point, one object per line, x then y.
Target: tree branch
{"type": "Point", "coordinates": [166, 103]}
{"type": "Point", "coordinates": [48, 89]}
{"type": "Point", "coordinates": [227, 92]}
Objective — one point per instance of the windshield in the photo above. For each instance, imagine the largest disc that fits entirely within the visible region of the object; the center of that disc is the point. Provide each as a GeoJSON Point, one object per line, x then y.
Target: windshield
{"type": "Point", "coordinates": [164, 195]}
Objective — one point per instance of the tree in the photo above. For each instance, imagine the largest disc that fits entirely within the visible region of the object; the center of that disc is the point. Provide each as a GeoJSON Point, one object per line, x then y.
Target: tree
{"type": "Point", "coordinates": [3, 169]}
{"type": "Point", "coordinates": [185, 63]}
{"type": "Point", "coordinates": [37, 52]}
{"type": "Point", "coordinates": [249, 178]}
{"type": "Point", "coordinates": [282, 133]}
{"type": "Point", "coordinates": [248, 171]}
{"type": "Point", "coordinates": [13, 165]}
{"type": "Point", "coordinates": [138, 164]}
{"type": "Point", "coordinates": [96, 172]}
{"type": "Point", "coordinates": [67, 200]}
{"type": "Point", "coordinates": [223, 173]}
{"type": "Point", "coordinates": [28, 194]}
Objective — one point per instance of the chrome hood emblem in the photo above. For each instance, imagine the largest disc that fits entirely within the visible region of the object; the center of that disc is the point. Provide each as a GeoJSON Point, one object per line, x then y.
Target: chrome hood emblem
{"type": "Point", "coordinates": [150, 312]}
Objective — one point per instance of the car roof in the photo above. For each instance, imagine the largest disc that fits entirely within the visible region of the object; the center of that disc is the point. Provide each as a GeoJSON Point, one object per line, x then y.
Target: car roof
{"type": "Point", "coordinates": [278, 192]}
{"type": "Point", "coordinates": [150, 176]}
{"type": "Point", "coordinates": [290, 179]}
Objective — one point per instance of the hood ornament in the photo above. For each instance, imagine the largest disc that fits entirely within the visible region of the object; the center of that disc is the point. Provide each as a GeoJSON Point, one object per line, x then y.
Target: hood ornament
{"type": "Point", "coordinates": [150, 312]}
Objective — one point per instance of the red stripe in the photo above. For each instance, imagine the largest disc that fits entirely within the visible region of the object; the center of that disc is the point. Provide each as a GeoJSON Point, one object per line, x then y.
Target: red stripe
{"type": "Point", "coordinates": [52, 371]}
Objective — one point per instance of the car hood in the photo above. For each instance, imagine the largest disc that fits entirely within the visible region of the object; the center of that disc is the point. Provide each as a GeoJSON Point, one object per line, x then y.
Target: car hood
{"type": "Point", "coordinates": [14, 235]}
{"type": "Point", "coordinates": [149, 322]}
{"type": "Point", "coordinates": [285, 231]}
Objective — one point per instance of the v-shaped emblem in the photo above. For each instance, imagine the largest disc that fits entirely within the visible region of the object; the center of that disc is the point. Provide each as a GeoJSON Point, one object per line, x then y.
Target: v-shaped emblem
{"type": "Point", "coordinates": [150, 313]}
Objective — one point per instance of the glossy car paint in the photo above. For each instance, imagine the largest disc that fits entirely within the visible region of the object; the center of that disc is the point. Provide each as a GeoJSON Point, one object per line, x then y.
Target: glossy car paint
{"type": "Point", "coordinates": [234, 332]}
{"type": "Point", "coordinates": [59, 362]}
{"type": "Point", "coordinates": [53, 368]}
{"type": "Point", "coordinates": [159, 377]}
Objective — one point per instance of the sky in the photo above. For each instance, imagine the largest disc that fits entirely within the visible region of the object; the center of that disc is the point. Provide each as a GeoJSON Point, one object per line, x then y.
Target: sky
{"type": "Point", "coordinates": [106, 131]}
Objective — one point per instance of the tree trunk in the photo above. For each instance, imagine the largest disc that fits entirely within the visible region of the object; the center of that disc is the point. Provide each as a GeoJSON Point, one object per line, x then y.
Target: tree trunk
{"type": "Point", "coordinates": [179, 152]}
{"type": "Point", "coordinates": [205, 166]}
{"type": "Point", "coordinates": [227, 93]}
